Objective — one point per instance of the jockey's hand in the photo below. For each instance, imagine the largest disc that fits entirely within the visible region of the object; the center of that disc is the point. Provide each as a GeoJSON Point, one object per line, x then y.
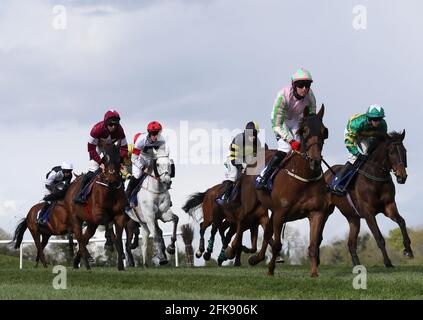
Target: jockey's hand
{"type": "Point", "coordinates": [295, 145]}
{"type": "Point", "coordinates": [103, 167]}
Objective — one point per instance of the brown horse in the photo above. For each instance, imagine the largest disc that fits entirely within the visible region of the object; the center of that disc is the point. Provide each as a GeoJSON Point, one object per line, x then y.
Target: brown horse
{"type": "Point", "coordinates": [59, 224]}
{"type": "Point", "coordinates": [105, 204]}
{"type": "Point", "coordinates": [221, 218]}
{"type": "Point", "coordinates": [299, 191]}
{"type": "Point", "coordinates": [372, 192]}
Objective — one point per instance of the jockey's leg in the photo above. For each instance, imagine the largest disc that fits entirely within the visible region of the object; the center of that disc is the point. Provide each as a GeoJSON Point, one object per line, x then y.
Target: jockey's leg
{"type": "Point", "coordinates": [270, 168]}
{"type": "Point", "coordinates": [338, 185]}
{"type": "Point", "coordinates": [42, 218]}
{"type": "Point", "coordinates": [94, 167]}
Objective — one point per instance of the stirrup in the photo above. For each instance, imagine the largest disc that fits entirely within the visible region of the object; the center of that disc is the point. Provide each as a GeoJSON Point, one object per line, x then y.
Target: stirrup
{"type": "Point", "coordinates": [338, 192]}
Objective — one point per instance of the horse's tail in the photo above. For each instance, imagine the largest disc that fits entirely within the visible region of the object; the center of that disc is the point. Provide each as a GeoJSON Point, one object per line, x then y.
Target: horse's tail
{"type": "Point", "coordinates": [193, 201]}
{"type": "Point", "coordinates": [19, 232]}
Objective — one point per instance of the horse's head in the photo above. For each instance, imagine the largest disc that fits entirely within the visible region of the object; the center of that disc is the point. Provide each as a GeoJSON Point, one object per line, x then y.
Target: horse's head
{"type": "Point", "coordinates": [163, 167]}
{"type": "Point", "coordinates": [313, 134]}
{"type": "Point", "coordinates": [397, 155]}
{"type": "Point", "coordinates": [386, 151]}
{"type": "Point", "coordinates": [111, 161]}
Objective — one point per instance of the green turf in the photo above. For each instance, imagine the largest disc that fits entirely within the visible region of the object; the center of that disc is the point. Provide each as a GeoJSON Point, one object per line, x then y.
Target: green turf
{"type": "Point", "coordinates": [289, 282]}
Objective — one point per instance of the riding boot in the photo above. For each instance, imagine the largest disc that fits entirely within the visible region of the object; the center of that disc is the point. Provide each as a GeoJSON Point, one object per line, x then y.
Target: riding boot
{"type": "Point", "coordinates": [272, 165]}
{"type": "Point", "coordinates": [338, 185]}
{"type": "Point", "coordinates": [227, 186]}
{"type": "Point", "coordinates": [133, 182]}
{"type": "Point", "coordinates": [42, 219]}
{"type": "Point", "coordinates": [85, 180]}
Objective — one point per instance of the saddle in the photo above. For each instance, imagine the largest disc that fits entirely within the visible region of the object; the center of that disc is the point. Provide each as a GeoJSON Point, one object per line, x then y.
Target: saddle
{"type": "Point", "coordinates": [344, 178]}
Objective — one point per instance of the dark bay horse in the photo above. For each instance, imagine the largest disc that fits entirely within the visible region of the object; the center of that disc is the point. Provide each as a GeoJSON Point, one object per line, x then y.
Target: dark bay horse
{"type": "Point", "coordinates": [59, 224]}
{"type": "Point", "coordinates": [221, 218]}
{"type": "Point", "coordinates": [299, 191]}
{"type": "Point", "coordinates": [105, 204]}
{"type": "Point", "coordinates": [372, 192]}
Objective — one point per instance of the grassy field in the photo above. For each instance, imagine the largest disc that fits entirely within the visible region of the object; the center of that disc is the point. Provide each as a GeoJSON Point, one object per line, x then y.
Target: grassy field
{"type": "Point", "coordinates": [289, 282]}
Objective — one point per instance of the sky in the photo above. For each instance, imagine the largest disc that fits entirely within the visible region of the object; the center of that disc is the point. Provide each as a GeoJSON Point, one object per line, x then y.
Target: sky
{"type": "Point", "coordinates": [202, 65]}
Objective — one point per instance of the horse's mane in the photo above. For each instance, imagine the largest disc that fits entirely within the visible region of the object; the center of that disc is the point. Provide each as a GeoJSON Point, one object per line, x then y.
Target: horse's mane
{"type": "Point", "coordinates": [395, 135]}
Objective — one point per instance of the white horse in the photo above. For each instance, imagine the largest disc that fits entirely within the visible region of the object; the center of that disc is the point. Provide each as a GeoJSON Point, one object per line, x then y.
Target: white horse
{"type": "Point", "coordinates": [154, 203]}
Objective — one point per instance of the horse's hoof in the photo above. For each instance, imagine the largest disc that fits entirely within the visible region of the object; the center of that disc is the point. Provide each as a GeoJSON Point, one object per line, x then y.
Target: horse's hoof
{"type": "Point", "coordinates": [237, 263]}
{"type": "Point", "coordinates": [408, 254]}
{"type": "Point", "coordinates": [207, 256]}
{"type": "Point", "coordinates": [170, 249]}
{"type": "Point", "coordinates": [198, 254]}
{"type": "Point", "coordinates": [163, 262]}
{"type": "Point", "coordinates": [219, 262]}
{"type": "Point", "coordinates": [280, 260]}
{"type": "Point", "coordinates": [314, 275]}
{"type": "Point", "coordinates": [253, 260]}
{"type": "Point", "coordinates": [121, 268]}
{"type": "Point", "coordinates": [270, 273]}
{"type": "Point", "coordinates": [389, 265]}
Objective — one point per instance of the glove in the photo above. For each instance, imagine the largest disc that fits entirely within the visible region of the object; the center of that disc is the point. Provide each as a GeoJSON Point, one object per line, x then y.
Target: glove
{"type": "Point", "coordinates": [295, 145]}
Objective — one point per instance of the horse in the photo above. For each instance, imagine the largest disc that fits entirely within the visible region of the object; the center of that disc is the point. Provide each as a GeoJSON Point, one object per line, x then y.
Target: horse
{"type": "Point", "coordinates": [299, 191]}
{"type": "Point", "coordinates": [105, 204]}
{"type": "Point", "coordinates": [372, 191]}
{"type": "Point", "coordinates": [59, 224]}
{"type": "Point", "coordinates": [222, 218]}
{"type": "Point", "coordinates": [154, 203]}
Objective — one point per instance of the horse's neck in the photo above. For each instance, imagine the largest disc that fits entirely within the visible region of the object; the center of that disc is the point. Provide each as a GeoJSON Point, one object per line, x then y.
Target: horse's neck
{"type": "Point", "coordinates": [378, 160]}
{"type": "Point", "coordinates": [300, 165]}
{"type": "Point", "coordinates": [152, 184]}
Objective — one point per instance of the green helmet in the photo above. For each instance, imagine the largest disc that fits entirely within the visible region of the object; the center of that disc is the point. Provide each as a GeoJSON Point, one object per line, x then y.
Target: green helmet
{"type": "Point", "coordinates": [375, 111]}
{"type": "Point", "coordinates": [301, 74]}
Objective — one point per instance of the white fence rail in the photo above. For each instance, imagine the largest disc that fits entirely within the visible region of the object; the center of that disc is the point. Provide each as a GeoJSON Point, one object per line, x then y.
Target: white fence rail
{"type": "Point", "coordinates": [90, 241]}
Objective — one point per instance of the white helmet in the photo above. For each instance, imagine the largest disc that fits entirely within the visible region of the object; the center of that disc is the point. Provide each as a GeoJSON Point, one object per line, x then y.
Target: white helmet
{"type": "Point", "coordinates": [67, 166]}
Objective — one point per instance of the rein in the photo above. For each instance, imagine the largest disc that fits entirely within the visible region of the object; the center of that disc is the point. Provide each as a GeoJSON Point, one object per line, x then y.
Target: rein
{"type": "Point", "coordinates": [292, 174]}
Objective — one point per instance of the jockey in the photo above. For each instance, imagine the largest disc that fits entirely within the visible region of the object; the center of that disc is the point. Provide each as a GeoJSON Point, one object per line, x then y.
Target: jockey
{"type": "Point", "coordinates": [107, 131]}
{"type": "Point", "coordinates": [286, 116]}
{"type": "Point", "coordinates": [242, 151]}
{"type": "Point", "coordinates": [56, 176]}
{"type": "Point", "coordinates": [370, 122]}
{"type": "Point", "coordinates": [143, 155]}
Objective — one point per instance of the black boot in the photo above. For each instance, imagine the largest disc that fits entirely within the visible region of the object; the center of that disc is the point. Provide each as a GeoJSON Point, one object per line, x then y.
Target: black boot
{"type": "Point", "coordinates": [80, 198]}
{"type": "Point", "coordinates": [227, 186]}
{"type": "Point", "coordinates": [42, 219]}
{"type": "Point", "coordinates": [272, 165]}
{"type": "Point", "coordinates": [133, 182]}
{"type": "Point", "coordinates": [339, 186]}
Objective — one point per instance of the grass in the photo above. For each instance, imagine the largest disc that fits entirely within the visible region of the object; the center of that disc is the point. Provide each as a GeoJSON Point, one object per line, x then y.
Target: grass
{"type": "Point", "coordinates": [289, 282]}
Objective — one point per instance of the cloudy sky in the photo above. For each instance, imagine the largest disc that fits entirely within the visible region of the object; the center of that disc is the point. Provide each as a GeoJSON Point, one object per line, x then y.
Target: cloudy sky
{"type": "Point", "coordinates": [213, 64]}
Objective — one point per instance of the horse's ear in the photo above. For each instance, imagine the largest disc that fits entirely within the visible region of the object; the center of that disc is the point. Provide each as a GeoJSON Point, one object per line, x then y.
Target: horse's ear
{"type": "Point", "coordinates": [403, 135]}
{"type": "Point", "coordinates": [321, 111]}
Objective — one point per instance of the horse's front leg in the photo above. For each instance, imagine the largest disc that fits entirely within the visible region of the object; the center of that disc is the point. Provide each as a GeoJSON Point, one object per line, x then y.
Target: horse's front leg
{"type": "Point", "coordinates": [129, 236]}
{"type": "Point", "coordinates": [391, 211]}
{"type": "Point", "coordinates": [120, 221]}
{"type": "Point", "coordinates": [170, 216]}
